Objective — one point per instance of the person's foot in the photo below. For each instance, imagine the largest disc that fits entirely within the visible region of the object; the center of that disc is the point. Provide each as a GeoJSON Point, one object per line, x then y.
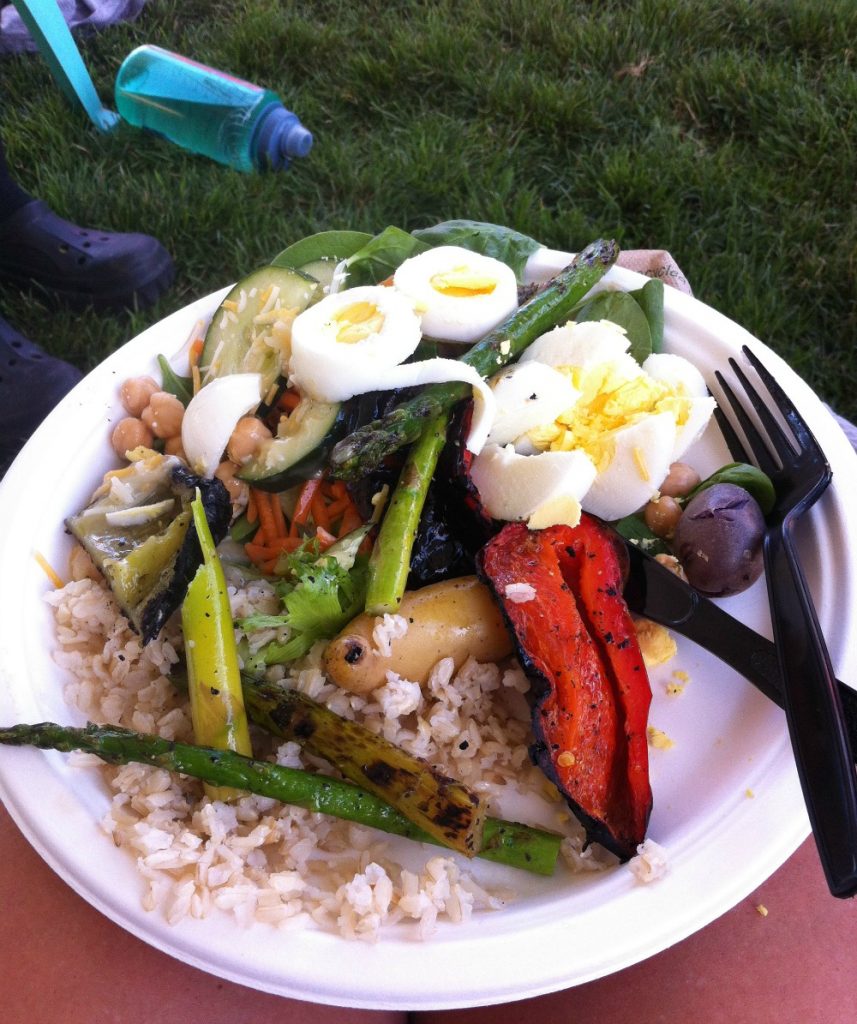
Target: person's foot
{"type": "Point", "coordinates": [82, 266]}
{"type": "Point", "coordinates": [31, 384]}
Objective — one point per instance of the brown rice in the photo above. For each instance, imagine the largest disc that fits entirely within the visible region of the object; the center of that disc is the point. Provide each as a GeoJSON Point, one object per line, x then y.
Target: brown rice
{"type": "Point", "coordinates": [264, 862]}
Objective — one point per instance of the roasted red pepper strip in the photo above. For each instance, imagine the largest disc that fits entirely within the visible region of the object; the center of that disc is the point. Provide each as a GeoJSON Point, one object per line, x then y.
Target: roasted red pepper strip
{"type": "Point", "coordinates": [576, 642]}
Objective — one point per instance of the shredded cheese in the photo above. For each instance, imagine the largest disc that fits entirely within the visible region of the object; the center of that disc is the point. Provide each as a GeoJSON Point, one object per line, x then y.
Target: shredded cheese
{"type": "Point", "coordinates": [658, 739]}
{"type": "Point", "coordinates": [49, 570]}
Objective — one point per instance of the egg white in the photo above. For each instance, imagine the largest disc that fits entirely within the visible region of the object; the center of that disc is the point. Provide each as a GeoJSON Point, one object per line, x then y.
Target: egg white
{"type": "Point", "coordinates": [630, 421]}
{"type": "Point", "coordinates": [528, 394]}
{"type": "Point", "coordinates": [685, 379]}
{"type": "Point", "coordinates": [641, 457]}
{"type": "Point", "coordinates": [439, 282]}
{"type": "Point", "coordinates": [584, 345]}
{"type": "Point", "coordinates": [517, 488]}
{"type": "Point", "coordinates": [211, 417]}
{"type": "Point", "coordinates": [327, 368]}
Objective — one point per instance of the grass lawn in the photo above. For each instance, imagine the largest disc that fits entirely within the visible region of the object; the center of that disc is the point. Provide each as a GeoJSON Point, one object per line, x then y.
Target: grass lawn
{"type": "Point", "coordinates": [722, 130]}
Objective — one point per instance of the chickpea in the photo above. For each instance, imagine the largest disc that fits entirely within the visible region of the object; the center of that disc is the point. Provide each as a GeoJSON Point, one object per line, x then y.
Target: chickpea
{"type": "Point", "coordinates": [225, 473]}
{"type": "Point", "coordinates": [163, 415]}
{"type": "Point", "coordinates": [680, 480]}
{"type": "Point", "coordinates": [136, 392]}
{"type": "Point", "coordinates": [662, 516]}
{"type": "Point", "coordinates": [246, 438]}
{"type": "Point", "coordinates": [129, 434]}
{"type": "Point", "coordinates": [173, 446]}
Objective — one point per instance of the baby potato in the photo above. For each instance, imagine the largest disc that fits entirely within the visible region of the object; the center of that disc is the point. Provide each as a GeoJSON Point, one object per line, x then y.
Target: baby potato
{"type": "Point", "coordinates": [454, 619]}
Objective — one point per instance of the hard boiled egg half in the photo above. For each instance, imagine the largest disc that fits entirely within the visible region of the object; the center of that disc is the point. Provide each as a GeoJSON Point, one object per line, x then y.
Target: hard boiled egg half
{"type": "Point", "coordinates": [460, 295]}
{"type": "Point", "coordinates": [343, 345]}
{"type": "Point", "coordinates": [629, 422]}
{"type": "Point", "coordinates": [358, 340]}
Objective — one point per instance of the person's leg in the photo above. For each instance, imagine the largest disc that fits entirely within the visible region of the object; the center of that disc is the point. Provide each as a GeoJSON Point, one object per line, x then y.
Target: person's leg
{"type": "Point", "coordinates": [12, 196]}
{"type": "Point", "coordinates": [31, 381]}
{"type": "Point", "coordinates": [31, 384]}
{"type": "Point", "coordinates": [80, 266]}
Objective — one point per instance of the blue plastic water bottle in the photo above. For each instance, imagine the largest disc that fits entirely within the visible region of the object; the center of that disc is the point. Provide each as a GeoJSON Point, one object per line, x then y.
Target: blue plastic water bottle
{"type": "Point", "coordinates": [207, 111]}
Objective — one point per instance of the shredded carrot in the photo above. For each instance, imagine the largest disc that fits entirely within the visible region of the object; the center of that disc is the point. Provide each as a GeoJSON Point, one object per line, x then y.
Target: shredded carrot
{"type": "Point", "coordinates": [193, 357]}
{"type": "Point", "coordinates": [305, 500]}
{"type": "Point", "coordinates": [350, 521]}
{"type": "Point", "coordinates": [49, 570]}
{"type": "Point", "coordinates": [260, 553]}
{"type": "Point", "coordinates": [288, 400]}
{"type": "Point", "coordinates": [279, 518]}
{"type": "Point", "coordinates": [319, 511]}
{"type": "Point", "coordinates": [267, 524]}
{"type": "Point", "coordinates": [336, 508]}
{"type": "Point", "coordinates": [325, 539]}
{"type": "Point", "coordinates": [337, 490]}
{"type": "Point", "coordinates": [256, 552]}
{"type": "Point", "coordinates": [252, 510]}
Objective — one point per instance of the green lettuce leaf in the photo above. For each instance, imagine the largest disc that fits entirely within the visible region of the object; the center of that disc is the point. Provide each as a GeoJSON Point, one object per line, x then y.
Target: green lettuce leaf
{"type": "Point", "coordinates": [319, 599]}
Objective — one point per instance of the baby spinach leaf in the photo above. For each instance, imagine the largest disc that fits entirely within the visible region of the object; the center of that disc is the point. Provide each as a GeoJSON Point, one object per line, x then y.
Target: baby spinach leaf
{"type": "Point", "coordinates": [621, 308]}
{"type": "Point", "coordinates": [380, 257]}
{"type": "Point", "coordinates": [650, 299]}
{"type": "Point", "coordinates": [634, 529]}
{"type": "Point", "coordinates": [324, 245]}
{"type": "Point", "coordinates": [742, 475]}
{"type": "Point", "coordinates": [181, 387]}
{"type": "Point", "coordinates": [504, 244]}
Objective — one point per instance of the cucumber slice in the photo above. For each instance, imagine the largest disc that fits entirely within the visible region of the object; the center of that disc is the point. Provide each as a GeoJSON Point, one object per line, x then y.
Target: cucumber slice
{"type": "Point", "coordinates": [236, 342]}
{"type": "Point", "coordinates": [325, 245]}
{"type": "Point", "coordinates": [300, 452]}
{"type": "Point", "coordinates": [322, 270]}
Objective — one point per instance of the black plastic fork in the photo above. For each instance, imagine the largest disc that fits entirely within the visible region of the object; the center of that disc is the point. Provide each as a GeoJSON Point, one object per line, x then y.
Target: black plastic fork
{"type": "Point", "coordinates": [800, 473]}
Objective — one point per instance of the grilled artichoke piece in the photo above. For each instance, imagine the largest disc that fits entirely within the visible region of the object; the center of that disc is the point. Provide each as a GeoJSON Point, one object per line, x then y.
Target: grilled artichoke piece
{"type": "Point", "coordinates": [138, 531]}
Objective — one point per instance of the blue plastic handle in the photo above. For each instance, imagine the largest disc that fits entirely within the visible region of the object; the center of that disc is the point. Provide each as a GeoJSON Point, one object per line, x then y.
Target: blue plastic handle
{"type": "Point", "coordinates": [47, 26]}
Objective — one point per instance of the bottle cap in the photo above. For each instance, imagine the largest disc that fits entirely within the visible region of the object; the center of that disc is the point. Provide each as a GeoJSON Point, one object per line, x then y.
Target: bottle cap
{"type": "Point", "coordinates": [281, 137]}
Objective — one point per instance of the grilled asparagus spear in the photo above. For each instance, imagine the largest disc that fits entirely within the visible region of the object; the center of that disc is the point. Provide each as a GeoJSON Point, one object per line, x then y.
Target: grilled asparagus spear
{"type": "Point", "coordinates": [504, 842]}
{"type": "Point", "coordinates": [445, 809]}
{"type": "Point", "coordinates": [390, 561]}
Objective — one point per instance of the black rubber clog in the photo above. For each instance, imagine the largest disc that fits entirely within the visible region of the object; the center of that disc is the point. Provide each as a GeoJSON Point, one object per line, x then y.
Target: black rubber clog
{"type": "Point", "coordinates": [31, 384]}
{"type": "Point", "coordinates": [82, 266]}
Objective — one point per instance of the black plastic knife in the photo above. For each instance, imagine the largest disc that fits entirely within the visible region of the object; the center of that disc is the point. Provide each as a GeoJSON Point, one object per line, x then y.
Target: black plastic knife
{"type": "Point", "coordinates": [654, 591]}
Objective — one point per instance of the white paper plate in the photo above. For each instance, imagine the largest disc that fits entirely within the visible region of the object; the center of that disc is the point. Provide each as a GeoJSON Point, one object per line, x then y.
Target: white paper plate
{"type": "Point", "coordinates": [728, 806]}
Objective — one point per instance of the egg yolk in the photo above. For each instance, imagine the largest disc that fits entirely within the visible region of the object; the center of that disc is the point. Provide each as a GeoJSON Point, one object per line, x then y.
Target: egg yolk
{"type": "Point", "coordinates": [608, 402]}
{"type": "Point", "coordinates": [357, 322]}
{"type": "Point", "coordinates": [461, 282]}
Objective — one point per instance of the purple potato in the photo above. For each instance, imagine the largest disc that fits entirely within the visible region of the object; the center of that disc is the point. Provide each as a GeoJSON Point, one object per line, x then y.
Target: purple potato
{"type": "Point", "coordinates": [718, 540]}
